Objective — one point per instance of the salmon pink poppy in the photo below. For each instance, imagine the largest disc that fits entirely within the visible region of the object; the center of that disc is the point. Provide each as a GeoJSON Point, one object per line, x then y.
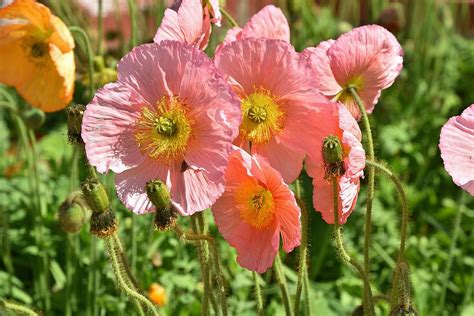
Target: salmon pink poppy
{"type": "Point", "coordinates": [270, 22]}
{"type": "Point", "coordinates": [189, 22]}
{"type": "Point", "coordinates": [457, 149]}
{"type": "Point", "coordinates": [368, 58]}
{"type": "Point", "coordinates": [280, 106]}
{"type": "Point", "coordinates": [169, 117]}
{"type": "Point", "coordinates": [341, 125]}
{"type": "Point", "coordinates": [255, 209]}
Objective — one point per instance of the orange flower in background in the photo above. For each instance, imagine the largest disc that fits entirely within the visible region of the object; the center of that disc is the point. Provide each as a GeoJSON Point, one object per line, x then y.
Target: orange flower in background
{"type": "Point", "coordinates": [157, 294]}
{"type": "Point", "coordinates": [36, 55]}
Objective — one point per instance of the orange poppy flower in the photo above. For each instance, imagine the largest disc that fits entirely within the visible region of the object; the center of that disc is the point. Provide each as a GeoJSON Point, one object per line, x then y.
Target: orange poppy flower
{"type": "Point", "coordinates": [157, 294]}
{"type": "Point", "coordinates": [36, 55]}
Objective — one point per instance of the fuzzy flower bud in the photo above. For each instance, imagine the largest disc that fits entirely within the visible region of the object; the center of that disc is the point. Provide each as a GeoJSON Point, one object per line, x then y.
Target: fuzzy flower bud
{"type": "Point", "coordinates": [332, 150]}
{"type": "Point", "coordinates": [34, 118]}
{"type": "Point", "coordinates": [74, 115]}
{"type": "Point", "coordinates": [159, 195]}
{"type": "Point", "coordinates": [73, 213]}
{"type": "Point", "coordinates": [95, 195]}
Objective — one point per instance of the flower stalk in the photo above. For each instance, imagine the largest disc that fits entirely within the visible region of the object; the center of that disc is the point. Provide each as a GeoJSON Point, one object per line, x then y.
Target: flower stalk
{"type": "Point", "coordinates": [258, 293]}
{"type": "Point", "coordinates": [368, 301]}
{"type": "Point", "coordinates": [90, 55]}
{"type": "Point", "coordinates": [16, 309]}
{"type": "Point", "coordinates": [278, 268]}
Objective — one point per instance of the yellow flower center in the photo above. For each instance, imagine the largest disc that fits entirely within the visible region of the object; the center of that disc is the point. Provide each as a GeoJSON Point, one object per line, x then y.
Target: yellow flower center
{"type": "Point", "coordinates": [262, 117]}
{"type": "Point", "coordinates": [163, 130]}
{"type": "Point", "coordinates": [345, 94]}
{"type": "Point", "coordinates": [256, 204]}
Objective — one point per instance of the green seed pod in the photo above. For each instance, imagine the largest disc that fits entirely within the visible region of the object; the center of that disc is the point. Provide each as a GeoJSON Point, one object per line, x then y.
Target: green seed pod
{"type": "Point", "coordinates": [95, 195]}
{"type": "Point", "coordinates": [74, 115]}
{"type": "Point", "coordinates": [73, 213]}
{"type": "Point", "coordinates": [332, 150]}
{"type": "Point", "coordinates": [158, 194]}
{"type": "Point", "coordinates": [166, 218]}
{"type": "Point", "coordinates": [103, 224]}
{"type": "Point", "coordinates": [34, 118]}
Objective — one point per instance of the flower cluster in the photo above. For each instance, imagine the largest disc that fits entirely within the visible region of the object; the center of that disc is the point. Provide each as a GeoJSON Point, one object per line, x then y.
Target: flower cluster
{"type": "Point", "coordinates": [230, 133]}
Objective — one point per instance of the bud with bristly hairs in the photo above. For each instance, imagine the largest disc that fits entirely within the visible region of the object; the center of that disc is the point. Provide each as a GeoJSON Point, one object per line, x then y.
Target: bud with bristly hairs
{"type": "Point", "coordinates": [74, 114]}
{"type": "Point", "coordinates": [159, 195]}
{"type": "Point", "coordinates": [73, 212]}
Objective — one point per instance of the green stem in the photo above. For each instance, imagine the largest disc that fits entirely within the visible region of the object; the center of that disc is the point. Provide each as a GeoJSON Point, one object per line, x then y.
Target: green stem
{"type": "Point", "coordinates": [133, 17]}
{"type": "Point", "coordinates": [371, 179]}
{"type": "Point", "coordinates": [346, 258]}
{"type": "Point", "coordinates": [280, 275]}
{"type": "Point", "coordinates": [17, 309]}
{"type": "Point", "coordinates": [229, 18]}
{"type": "Point", "coordinates": [307, 293]}
{"type": "Point", "coordinates": [92, 277]}
{"type": "Point", "coordinates": [122, 283]}
{"type": "Point", "coordinates": [100, 27]}
{"type": "Point", "coordinates": [303, 251]}
{"type": "Point", "coordinates": [452, 249]}
{"type": "Point", "coordinates": [258, 293]}
{"type": "Point", "coordinates": [39, 213]}
{"type": "Point", "coordinates": [90, 56]}
{"type": "Point", "coordinates": [403, 201]}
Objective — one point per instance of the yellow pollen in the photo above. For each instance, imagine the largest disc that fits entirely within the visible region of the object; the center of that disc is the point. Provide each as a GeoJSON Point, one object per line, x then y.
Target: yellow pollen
{"type": "Point", "coordinates": [262, 117]}
{"type": "Point", "coordinates": [163, 130]}
{"type": "Point", "coordinates": [255, 203]}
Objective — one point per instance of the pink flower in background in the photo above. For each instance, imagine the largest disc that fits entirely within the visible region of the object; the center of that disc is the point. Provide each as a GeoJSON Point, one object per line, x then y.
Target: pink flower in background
{"type": "Point", "coordinates": [255, 209]}
{"type": "Point", "coordinates": [188, 22]}
{"type": "Point", "coordinates": [340, 123]}
{"type": "Point", "coordinates": [170, 116]}
{"type": "Point", "coordinates": [270, 22]}
{"type": "Point", "coordinates": [457, 149]}
{"type": "Point", "coordinates": [368, 58]}
{"type": "Point", "coordinates": [281, 109]}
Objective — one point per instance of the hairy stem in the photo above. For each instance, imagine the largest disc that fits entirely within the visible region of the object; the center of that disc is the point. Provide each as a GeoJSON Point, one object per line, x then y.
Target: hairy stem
{"type": "Point", "coordinates": [403, 201]}
{"type": "Point", "coordinates": [371, 179]}
{"type": "Point", "coordinates": [258, 293]}
{"type": "Point", "coordinates": [303, 250]}
{"type": "Point", "coordinates": [278, 268]}
{"type": "Point", "coordinates": [100, 26]}
{"type": "Point", "coordinates": [17, 309]}
{"type": "Point", "coordinates": [133, 17]}
{"type": "Point", "coordinates": [346, 258]}
{"type": "Point", "coordinates": [122, 282]}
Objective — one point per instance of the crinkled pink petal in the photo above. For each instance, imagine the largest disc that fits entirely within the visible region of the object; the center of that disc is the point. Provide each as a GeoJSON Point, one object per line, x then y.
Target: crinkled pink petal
{"type": "Point", "coordinates": [187, 25]}
{"type": "Point", "coordinates": [345, 127]}
{"type": "Point", "coordinates": [108, 128]}
{"type": "Point", "coordinates": [130, 185]}
{"type": "Point", "coordinates": [192, 191]}
{"type": "Point", "coordinates": [319, 62]}
{"type": "Point", "coordinates": [269, 22]}
{"type": "Point", "coordinates": [287, 161]}
{"type": "Point", "coordinates": [370, 55]}
{"type": "Point", "coordinates": [457, 148]}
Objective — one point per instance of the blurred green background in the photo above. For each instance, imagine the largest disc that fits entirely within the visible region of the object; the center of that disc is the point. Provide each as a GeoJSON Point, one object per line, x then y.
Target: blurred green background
{"type": "Point", "coordinates": [436, 83]}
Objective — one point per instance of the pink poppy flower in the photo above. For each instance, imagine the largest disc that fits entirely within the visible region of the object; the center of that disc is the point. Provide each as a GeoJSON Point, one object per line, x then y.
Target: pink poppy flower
{"type": "Point", "coordinates": [270, 22]}
{"type": "Point", "coordinates": [188, 22]}
{"type": "Point", "coordinates": [457, 148]}
{"type": "Point", "coordinates": [340, 123]}
{"type": "Point", "coordinates": [281, 108]}
{"type": "Point", "coordinates": [368, 58]}
{"type": "Point", "coordinates": [256, 207]}
{"type": "Point", "coordinates": [170, 116]}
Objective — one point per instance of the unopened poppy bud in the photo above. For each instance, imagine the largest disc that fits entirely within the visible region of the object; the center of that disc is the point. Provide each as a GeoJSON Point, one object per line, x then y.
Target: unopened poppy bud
{"type": "Point", "coordinates": [401, 302]}
{"type": "Point", "coordinates": [73, 213]}
{"type": "Point", "coordinates": [159, 195]}
{"type": "Point", "coordinates": [402, 310]}
{"type": "Point", "coordinates": [103, 224]}
{"type": "Point", "coordinates": [34, 118]}
{"type": "Point", "coordinates": [95, 195]}
{"type": "Point", "coordinates": [74, 115]}
{"type": "Point", "coordinates": [332, 150]}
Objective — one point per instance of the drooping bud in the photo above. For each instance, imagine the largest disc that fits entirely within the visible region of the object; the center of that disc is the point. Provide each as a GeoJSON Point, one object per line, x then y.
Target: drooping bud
{"type": "Point", "coordinates": [95, 195]}
{"type": "Point", "coordinates": [34, 118]}
{"type": "Point", "coordinates": [400, 300]}
{"type": "Point", "coordinates": [73, 213]}
{"type": "Point", "coordinates": [74, 115]}
{"type": "Point", "coordinates": [159, 195]}
{"type": "Point", "coordinates": [103, 224]}
{"type": "Point", "coordinates": [332, 150]}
